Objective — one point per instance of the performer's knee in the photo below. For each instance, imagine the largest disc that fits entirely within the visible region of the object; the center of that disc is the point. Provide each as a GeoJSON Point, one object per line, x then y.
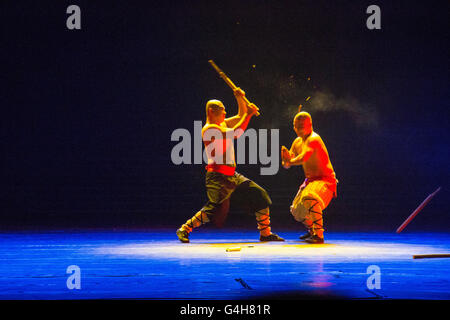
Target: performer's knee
{"type": "Point", "coordinates": [299, 212]}
{"type": "Point", "coordinates": [312, 206]}
{"type": "Point", "coordinates": [305, 209]}
{"type": "Point", "coordinates": [261, 201]}
{"type": "Point", "coordinates": [257, 197]}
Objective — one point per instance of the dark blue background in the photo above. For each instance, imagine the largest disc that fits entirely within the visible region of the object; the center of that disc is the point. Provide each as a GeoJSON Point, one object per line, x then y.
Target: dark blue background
{"type": "Point", "coordinates": [87, 115]}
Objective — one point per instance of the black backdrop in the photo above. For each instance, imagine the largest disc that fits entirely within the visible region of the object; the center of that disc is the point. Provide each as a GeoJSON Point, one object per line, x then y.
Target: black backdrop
{"type": "Point", "coordinates": [87, 115]}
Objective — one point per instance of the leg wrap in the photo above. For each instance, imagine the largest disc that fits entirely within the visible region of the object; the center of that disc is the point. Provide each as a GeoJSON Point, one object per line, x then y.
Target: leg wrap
{"type": "Point", "coordinates": [196, 221]}
{"type": "Point", "coordinates": [263, 221]}
{"type": "Point", "coordinates": [314, 219]}
{"type": "Point", "coordinates": [309, 203]}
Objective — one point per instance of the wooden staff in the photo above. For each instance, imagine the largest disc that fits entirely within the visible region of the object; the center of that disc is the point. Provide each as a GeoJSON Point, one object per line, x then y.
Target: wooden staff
{"type": "Point", "coordinates": [419, 208]}
{"type": "Point", "coordinates": [229, 82]}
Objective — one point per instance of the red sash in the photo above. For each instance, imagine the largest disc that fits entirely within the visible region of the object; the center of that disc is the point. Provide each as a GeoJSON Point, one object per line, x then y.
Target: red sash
{"type": "Point", "coordinates": [332, 183]}
{"type": "Point", "coordinates": [226, 170]}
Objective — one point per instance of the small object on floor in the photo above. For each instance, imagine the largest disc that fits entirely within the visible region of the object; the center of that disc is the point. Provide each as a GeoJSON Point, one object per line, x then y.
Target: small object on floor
{"type": "Point", "coordinates": [233, 249]}
{"type": "Point", "coordinates": [424, 256]}
{"type": "Point", "coordinates": [305, 236]}
{"type": "Point", "coordinates": [271, 237]}
{"type": "Point", "coordinates": [183, 236]}
{"type": "Point", "coordinates": [315, 239]}
{"type": "Point", "coordinates": [243, 283]}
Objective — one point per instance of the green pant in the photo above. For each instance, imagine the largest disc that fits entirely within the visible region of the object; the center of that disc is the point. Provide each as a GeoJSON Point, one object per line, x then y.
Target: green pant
{"type": "Point", "coordinates": [241, 191]}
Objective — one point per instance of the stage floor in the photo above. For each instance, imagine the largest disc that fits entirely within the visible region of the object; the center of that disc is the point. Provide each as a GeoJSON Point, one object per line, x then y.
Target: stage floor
{"type": "Point", "coordinates": [155, 265]}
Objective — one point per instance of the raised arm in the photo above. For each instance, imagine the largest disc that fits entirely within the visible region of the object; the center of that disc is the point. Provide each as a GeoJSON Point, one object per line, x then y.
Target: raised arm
{"type": "Point", "coordinates": [239, 127]}
{"type": "Point", "coordinates": [242, 124]}
{"type": "Point", "coordinates": [242, 108]}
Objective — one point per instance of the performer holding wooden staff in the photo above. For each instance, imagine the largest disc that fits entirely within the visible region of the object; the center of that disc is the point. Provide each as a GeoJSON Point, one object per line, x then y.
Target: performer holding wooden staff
{"type": "Point", "coordinates": [222, 181]}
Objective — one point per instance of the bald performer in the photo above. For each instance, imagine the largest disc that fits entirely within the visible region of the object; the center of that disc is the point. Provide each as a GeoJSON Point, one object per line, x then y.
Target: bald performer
{"type": "Point", "coordinates": [320, 185]}
{"type": "Point", "coordinates": [223, 183]}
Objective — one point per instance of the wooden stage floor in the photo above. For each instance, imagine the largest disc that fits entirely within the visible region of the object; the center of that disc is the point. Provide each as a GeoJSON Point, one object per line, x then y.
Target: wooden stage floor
{"type": "Point", "coordinates": [155, 265]}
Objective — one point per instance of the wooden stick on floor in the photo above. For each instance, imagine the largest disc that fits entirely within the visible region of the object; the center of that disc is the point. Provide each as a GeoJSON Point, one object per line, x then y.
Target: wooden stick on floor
{"type": "Point", "coordinates": [424, 256]}
{"type": "Point", "coordinates": [419, 208]}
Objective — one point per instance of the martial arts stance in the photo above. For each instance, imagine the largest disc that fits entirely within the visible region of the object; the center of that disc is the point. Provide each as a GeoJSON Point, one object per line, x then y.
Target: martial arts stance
{"type": "Point", "coordinates": [320, 183]}
{"type": "Point", "coordinates": [222, 181]}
